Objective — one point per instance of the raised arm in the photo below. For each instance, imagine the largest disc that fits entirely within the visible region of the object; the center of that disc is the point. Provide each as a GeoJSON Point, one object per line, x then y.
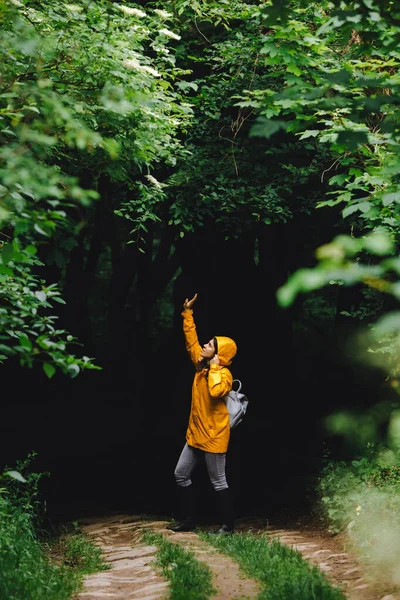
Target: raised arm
{"type": "Point", "coordinates": [189, 329]}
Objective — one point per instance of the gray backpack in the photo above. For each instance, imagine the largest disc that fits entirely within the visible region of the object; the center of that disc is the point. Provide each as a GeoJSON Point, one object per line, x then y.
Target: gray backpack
{"type": "Point", "coordinates": [236, 404]}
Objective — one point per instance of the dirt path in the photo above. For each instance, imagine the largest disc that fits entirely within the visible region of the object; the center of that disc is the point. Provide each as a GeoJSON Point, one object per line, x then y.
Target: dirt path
{"type": "Point", "coordinates": [133, 574]}
{"type": "Point", "coordinates": [340, 566]}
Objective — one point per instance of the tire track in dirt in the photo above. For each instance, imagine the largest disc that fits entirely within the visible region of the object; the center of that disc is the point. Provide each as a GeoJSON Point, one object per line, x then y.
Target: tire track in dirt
{"type": "Point", "coordinates": [132, 574]}
{"type": "Point", "coordinates": [227, 577]}
{"type": "Point", "coordinates": [135, 576]}
{"type": "Point", "coordinates": [340, 567]}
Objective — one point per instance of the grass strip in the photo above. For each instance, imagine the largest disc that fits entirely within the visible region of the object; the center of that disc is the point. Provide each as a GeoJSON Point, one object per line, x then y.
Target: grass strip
{"type": "Point", "coordinates": [80, 554]}
{"type": "Point", "coordinates": [281, 570]}
{"type": "Point", "coordinates": [189, 578]}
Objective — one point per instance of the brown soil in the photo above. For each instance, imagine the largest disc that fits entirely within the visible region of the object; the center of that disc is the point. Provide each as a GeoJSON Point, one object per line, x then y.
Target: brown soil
{"type": "Point", "coordinates": [134, 575]}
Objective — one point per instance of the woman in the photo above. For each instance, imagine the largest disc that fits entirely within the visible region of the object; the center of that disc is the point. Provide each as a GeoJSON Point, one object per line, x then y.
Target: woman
{"type": "Point", "coordinates": [208, 431]}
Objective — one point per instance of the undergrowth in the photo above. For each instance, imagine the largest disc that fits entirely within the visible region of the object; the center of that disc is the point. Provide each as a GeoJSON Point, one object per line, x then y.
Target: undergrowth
{"type": "Point", "coordinates": [361, 497]}
{"type": "Point", "coordinates": [33, 566]}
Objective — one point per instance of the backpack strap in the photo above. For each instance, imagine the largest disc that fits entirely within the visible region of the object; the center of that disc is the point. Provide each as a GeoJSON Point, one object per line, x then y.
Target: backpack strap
{"type": "Point", "coordinates": [239, 384]}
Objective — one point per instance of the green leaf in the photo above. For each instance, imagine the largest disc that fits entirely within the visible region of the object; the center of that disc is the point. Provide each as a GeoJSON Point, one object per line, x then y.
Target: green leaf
{"type": "Point", "coordinates": [58, 299]}
{"type": "Point", "coordinates": [266, 127]}
{"type": "Point", "coordinates": [7, 253]}
{"type": "Point", "coordinates": [293, 68]}
{"type": "Point", "coordinates": [15, 475]}
{"type": "Point", "coordinates": [380, 243]}
{"type": "Point", "coordinates": [388, 199]}
{"type": "Point", "coordinates": [25, 341]}
{"type": "Point", "coordinates": [73, 370]}
{"type": "Point", "coordinates": [40, 230]}
{"type": "Point", "coordinates": [6, 271]}
{"type": "Point", "coordinates": [352, 139]}
{"type": "Point", "coordinates": [49, 370]}
{"type": "Point", "coordinates": [309, 133]}
{"type": "Point", "coordinates": [361, 206]}
{"type": "Point", "coordinates": [338, 179]}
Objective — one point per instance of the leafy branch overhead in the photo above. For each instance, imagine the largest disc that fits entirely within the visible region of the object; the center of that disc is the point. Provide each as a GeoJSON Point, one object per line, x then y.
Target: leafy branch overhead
{"type": "Point", "coordinates": [86, 93]}
{"type": "Point", "coordinates": [336, 86]}
{"type": "Point", "coordinates": [316, 79]}
{"type": "Point", "coordinates": [126, 129]}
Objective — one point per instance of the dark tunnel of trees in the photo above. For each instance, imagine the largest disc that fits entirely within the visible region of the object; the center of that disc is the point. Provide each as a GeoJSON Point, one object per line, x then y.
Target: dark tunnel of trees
{"type": "Point", "coordinates": [214, 153]}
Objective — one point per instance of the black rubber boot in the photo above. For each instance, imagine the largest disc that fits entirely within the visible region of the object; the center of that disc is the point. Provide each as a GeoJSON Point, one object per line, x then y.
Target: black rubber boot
{"type": "Point", "coordinates": [186, 521]}
{"type": "Point", "coordinates": [224, 503]}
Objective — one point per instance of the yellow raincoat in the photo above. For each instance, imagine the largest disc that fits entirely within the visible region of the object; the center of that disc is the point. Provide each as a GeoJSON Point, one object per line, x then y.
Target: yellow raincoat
{"type": "Point", "coordinates": [208, 427]}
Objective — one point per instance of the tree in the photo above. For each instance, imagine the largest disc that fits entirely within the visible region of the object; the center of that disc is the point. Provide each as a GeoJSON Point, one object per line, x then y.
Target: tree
{"type": "Point", "coordinates": [87, 106]}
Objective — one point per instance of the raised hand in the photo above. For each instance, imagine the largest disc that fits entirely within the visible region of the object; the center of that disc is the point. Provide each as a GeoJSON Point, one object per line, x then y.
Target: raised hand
{"type": "Point", "coordinates": [187, 305]}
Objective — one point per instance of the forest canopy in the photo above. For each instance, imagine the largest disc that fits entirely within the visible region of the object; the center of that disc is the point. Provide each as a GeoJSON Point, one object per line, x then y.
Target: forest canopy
{"type": "Point", "coordinates": [133, 132]}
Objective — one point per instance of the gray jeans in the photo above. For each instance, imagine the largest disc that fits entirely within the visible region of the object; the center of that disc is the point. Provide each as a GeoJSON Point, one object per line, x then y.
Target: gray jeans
{"type": "Point", "coordinates": [215, 463]}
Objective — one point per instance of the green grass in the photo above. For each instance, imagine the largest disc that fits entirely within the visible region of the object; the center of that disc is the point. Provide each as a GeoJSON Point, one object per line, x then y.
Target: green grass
{"type": "Point", "coordinates": [34, 570]}
{"type": "Point", "coordinates": [26, 573]}
{"type": "Point", "coordinates": [81, 554]}
{"type": "Point", "coordinates": [282, 571]}
{"type": "Point", "coordinates": [189, 578]}
{"type": "Point", "coordinates": [33, 565]}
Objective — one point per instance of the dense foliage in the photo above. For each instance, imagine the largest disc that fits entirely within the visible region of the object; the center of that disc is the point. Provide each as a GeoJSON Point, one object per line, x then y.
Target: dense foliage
{"type": "Point", "coordinates": [185, 118]}
{"type": "Point", "coordinates": [86, 98]}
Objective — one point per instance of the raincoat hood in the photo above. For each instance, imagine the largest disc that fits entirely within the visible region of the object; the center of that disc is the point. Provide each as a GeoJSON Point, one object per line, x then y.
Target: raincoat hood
{"type": "Point", "coordinates": [226, 350]}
